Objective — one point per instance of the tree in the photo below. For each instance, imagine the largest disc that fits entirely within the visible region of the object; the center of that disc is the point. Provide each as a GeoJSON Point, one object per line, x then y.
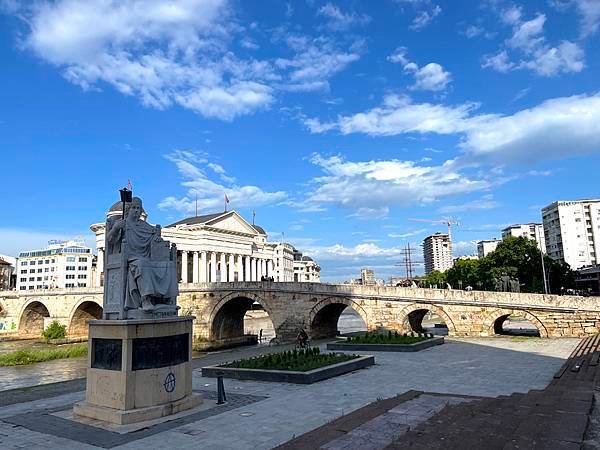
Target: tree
{"type": "Point", "coordinates": [435, 278]}
{"type": "Point", "coordinates": [464, 272]}
{"type": "Point", "coordinates": [519, 257]}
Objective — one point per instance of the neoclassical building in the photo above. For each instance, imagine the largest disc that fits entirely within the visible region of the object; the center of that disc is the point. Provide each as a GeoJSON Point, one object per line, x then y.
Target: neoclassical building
{"type": "Point", "coordinates": [213, 247]}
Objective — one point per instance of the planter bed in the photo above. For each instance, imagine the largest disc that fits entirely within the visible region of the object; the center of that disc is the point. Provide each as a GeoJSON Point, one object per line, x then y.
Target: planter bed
{"type": "Point", "coordinates": [290, 376]}
{"type": "Point", "coordinates": [386, 347]}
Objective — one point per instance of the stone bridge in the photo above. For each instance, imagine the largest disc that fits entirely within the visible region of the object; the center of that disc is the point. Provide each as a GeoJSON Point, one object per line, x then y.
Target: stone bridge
{"type": "Point", "coordinates": [220, 308]}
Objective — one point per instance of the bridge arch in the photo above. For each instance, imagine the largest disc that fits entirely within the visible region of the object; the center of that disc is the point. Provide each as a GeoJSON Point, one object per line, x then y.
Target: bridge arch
{"type": "Point", "coordinates": [31, 318]}
{"type": "Point", "coordinates": [324, 316]}
{"type": "Point", "coordinates": [226, 319]}
{"type": "Point", "coordinates": [86, 308]}
{"type": "Point", "coordinates": [412, 315]}
{"type": "Point", "coordinates": [492, 323]}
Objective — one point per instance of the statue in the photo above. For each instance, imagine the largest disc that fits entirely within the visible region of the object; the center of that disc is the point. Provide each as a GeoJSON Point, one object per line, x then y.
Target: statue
{"type": "Point", "coordinates": [148, 279]}
{"type": "Point", "coordinates": [515, 286]}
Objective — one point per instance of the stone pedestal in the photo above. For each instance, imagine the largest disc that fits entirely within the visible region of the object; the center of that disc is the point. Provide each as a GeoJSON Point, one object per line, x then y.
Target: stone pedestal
{"type": "Point", "coordinates": [138, 370]}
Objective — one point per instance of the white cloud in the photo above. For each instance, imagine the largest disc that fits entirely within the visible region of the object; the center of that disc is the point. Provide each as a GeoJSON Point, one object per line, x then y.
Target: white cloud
{"type": "Point", "coordinates": [589, 10]}
{"type": "Point", "coordinates": [426, 11]}
{"type": "Point", "coordinates": [461, 248]}
{"type": "Point", "coordinates": [486, 202]}
{"type": "Point", "coordinates": [372, 187]}
{"type": "Point", "coordinates": [315, 60]}
{"type": "Point", "coordinates": [210, 194]}
{"type": "Point", "coordinates": [365, 213]}
{"type": "Point", "coordinates": [536, 54]}
{"type": "Point", "coordinates": [431, 77]}
{"type": "Point", "coordinates": [556, 128]}
{"type": "Point", "coordinates": [407, 234]}
{"type": "Point", "coordinates": [398, 115]}
{"type": "Point", "coordinates": [176, 52]}
{"type": "Point", "coordinates": [337, 20]}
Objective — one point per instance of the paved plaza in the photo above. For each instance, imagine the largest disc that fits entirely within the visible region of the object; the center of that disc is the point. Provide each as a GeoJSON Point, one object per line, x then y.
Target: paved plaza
{"type": "Point", "coordinates": [265, 415]}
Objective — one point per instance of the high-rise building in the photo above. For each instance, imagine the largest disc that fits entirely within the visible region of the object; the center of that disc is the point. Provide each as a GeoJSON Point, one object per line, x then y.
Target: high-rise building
{"type": "Point", "coordinates": [572, 232]}
{"type": "Point", "coordinates": [533, 231]}
{"type": "Point", "coordinates": [437, 252]}
{"type": "Point", "coordinates": [63, 264]}
{"type": "Point", "coordinates": [486, 247]}
{"type": "Point", "coordinates": [367, 277]}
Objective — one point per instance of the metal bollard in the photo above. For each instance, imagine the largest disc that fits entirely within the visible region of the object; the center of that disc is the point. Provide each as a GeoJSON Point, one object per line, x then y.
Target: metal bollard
{"type": "Point", "coordinates": [221, 396]}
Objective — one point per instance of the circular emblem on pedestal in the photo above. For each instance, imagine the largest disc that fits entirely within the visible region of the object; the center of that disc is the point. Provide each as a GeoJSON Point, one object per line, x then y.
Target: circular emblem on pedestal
{"type": "Point", "coordinates": [169, 383]}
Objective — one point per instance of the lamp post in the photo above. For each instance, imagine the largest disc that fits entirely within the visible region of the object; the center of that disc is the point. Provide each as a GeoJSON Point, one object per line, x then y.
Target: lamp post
{"type": "Point", "coordinates": [126, 197]}
{"type": "Point", "coordinates": [539, 242]}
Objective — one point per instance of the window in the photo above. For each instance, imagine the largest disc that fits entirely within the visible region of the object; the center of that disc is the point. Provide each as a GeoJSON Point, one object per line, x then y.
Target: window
{"type": "Point", "coordinates": [47, 261]}
{"type": "Point", "coordinates": [24, 271]}
{"type": "Point", "coordinates": [70, 267]}
{"type": "Point", "coordinates": [70, 285]}
{"type": "Point", "coordinates": [45, 278]}
{"type": "Point", "coordinates": [39, 286]}
{"type": "Point", "coordinates": [23, 263]}
{"type": "Point", "coordinates": [39, 270]}
{"type": "Point", "coordinates": [46, 269]}
{"type": "Point", "coordinates": [39, 278]}
{"type": "Point", "coordinates": [82, 276]}
{"type": "Point", "coordinates": [51, 269]}
{"type": "Point", "coordinates": [31, 278]}
{"type": "Point", "coordinates": [81, 284]}
{"type": "Point", "coordinates": [82, 268]}
{"type": "Point", "coordinates": [23, 280]}
{"type": "Point", "coordinates": [23, 288]}
{"type": "Point", "coordinates": [70, 276]}
{"type": "Point", "coordinates": [82, 259]}
{"type": "Point", "coordinates": [31, 270]}
{"type": "Point", "coordinates": [31, 288]}
{"type": "Point", "coordinates": [70, 259]}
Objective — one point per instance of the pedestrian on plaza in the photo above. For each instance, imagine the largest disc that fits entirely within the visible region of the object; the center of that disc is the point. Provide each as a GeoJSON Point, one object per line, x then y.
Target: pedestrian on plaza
{"type": "Point", "coordinates": [260, 335]}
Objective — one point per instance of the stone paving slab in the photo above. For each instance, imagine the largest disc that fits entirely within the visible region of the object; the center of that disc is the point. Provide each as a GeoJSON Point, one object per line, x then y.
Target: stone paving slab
{"type": "Point", "coordinates": [472, 367]}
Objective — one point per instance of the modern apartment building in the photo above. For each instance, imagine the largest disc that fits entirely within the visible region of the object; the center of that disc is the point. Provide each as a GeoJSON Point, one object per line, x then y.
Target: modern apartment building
{"type": "Point", "coordinates": [437, 252]}
{"type": "Point", "coordinates": [306, 270]}
{"type": "Point", "coordinates": [367, 277]}
{"type": "Point", "coordinates": [63, 264]}
{"type": "Point", "coordinates": [534, 231]}
{"type": "Point", "coordinates": [486, 247]}
{"type": "Point", "coordinates": [572, 232]}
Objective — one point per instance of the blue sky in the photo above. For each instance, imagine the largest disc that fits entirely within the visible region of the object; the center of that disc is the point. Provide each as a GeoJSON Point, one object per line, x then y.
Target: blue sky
{"type": "Point", "coordinates": [336, 121]}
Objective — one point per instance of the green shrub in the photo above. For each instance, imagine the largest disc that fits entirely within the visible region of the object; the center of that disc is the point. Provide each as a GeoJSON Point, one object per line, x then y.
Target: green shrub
{"type": "Point", "coordinates": [298, 360]}
{"type": "Point", "coordinates": [23, 357]}
{"type": "Point", "coordinates": [55, 331]}
{"type": "Point", "coordinates": [389, 338]}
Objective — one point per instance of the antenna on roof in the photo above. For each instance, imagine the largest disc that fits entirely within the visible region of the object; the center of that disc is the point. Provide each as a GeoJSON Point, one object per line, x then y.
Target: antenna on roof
{"type": "Point", "coordinates": [253, 216]}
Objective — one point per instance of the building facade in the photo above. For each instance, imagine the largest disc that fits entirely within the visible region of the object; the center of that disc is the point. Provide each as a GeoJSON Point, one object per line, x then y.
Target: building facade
{"type": "Point", "coordinates": [218, 247]}
{"type": "Point", "coordinates": [437, 252]}
{"type": "Point", "coordinates": [486, 247]}
{"type": "Point", "coordinates": [306, 270]}
{"type": "Point", "coordinates": [367, 277]}
{"type": "Point", "coordinates": [587, 280]}
{"type": "Point", "coordinates": [63, 264]}
{"type": "Point", "coordinates": [6, 272]}
{"type": "Point", "coordinates": [572, 232]}
{"type": "Point", "coordinates": [284, 262]}
{"type": "Point", "coordinates": [533, 231]}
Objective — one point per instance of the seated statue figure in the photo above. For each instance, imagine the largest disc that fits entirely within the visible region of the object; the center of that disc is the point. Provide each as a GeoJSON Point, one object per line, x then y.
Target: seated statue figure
{"type": "Point", "coordinates": [151, 279]}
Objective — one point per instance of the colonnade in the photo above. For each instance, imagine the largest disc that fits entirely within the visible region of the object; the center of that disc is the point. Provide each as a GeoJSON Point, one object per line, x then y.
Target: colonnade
{"type": "Point", "coordinates": [210, 267]}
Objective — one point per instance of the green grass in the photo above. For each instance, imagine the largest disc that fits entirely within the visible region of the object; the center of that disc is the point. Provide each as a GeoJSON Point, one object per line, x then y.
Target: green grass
{"type": "Point", "coordinates": [296, 360]}
{"type": "Point", "coordinates": [30, 356]}
{"type": "Point", "coordinates": [389, 338]}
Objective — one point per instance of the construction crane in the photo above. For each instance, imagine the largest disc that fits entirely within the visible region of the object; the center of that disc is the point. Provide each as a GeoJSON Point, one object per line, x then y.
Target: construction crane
{"type": "Point", "coordinates": [447, 222]}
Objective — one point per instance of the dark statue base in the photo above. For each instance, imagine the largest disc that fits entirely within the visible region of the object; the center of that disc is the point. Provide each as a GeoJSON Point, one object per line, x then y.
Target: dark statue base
{"type": "Point", "coordinates": [159, 312]}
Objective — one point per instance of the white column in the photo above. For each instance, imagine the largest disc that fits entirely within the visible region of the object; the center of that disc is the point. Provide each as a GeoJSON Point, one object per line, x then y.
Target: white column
{"type": "Point", "coordinates": [253, 265]}
{"type": "Point", "coordinates": [223, 268]}
{"type": "Point", "coordinates": [231, 268]}
{"type": "Point", "coordinates": [195, 270]}
{"type": "Point", "coordinates": [260, 268]}
{"type": "Point", "coordinates": [99, 266]}
{"type": "Point", "coordinates": [247, 275]}
{"type": "Point", "coordinates": [213, 267]}
{"type": "Point", "coordinates": [184, 267]}
{"type": "Point", "coordinates": [203, 271]}
{"type": "Point", "coordinates": [239, 267]}
{"type": "Point", "coordinates": [270, 268]}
